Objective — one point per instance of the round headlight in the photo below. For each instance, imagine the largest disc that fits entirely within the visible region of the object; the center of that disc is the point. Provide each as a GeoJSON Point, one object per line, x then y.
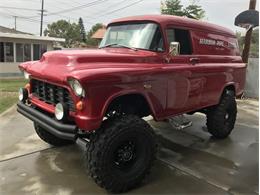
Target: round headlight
{"type": "Point", "coordinates": [23, 95]}
{"type": "Point", "coordinates": [26, 75]}
{"type": "Point", "coordinates": [59, 111]}
{"type": "Point", "coordinates": [77, 88]}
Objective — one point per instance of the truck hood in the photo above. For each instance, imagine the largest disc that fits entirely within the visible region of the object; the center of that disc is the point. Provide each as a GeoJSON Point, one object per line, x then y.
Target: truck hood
{"type": "Point", "coordinates": [59, 65]}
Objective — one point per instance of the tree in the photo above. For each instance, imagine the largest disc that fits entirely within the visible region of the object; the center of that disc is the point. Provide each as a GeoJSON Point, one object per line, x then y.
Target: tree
{"type": "Point", "coordinates": [174, 7]}
{"type": "Point", "coordinates": [64, 29]}
{"type": "Point", "coordinates": [94, 28]}
{"type": "Point", "coordinates": [240, 41]}
{"type": "Point", "coordinates": [194, 11]}
{"type": "Point", "coordinates": [82, 30]}
{"type": "Point", "coordinates": [254, 47]}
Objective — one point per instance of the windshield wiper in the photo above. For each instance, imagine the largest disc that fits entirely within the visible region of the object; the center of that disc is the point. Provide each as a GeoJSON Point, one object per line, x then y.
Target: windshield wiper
{"type": "Point", "coordinates": [117, 44]}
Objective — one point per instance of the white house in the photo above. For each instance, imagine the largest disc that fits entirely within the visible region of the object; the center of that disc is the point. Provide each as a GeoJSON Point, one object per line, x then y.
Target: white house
{"type": "Point", "coordinates": [17, 47]}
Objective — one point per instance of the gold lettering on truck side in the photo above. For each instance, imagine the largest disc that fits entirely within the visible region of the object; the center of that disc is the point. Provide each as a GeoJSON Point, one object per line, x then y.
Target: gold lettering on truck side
{"type": "Point", "coordinates": [207, 42]}
{"type": "Point", "coordinates": [217, 43]}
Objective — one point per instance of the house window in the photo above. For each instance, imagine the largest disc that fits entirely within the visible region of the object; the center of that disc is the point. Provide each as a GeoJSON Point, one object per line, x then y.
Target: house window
{"type": "Point", "coordinates": [43, 49]}
{"type": "Point", "coordinates": [9, 52]}
{"type": "Point", "coordinates": [27, 52]}
{"type": "Point", "coordinates": [36, 51]}
{"type": "Point", "coordinates": [181, 36]}
{"type": "Point", "coordinates": [19, 52]}
{"type": "Point", "coordinates": [23, 52]}
{"type": "Point", "coordinates": [2, 54]}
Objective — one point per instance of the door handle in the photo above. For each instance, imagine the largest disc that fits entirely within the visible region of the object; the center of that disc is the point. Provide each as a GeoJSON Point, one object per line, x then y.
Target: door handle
{"type": "Point", "coordinates": [194, 61]}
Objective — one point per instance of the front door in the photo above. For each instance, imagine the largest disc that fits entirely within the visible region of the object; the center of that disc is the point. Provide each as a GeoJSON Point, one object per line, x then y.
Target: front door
{"type": "Point", "coordinates": [185, 83]}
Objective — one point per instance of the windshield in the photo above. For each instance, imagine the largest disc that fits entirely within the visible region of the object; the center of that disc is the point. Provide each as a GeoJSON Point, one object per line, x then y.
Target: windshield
{"type": "Point", "coordinates": [136, 35]}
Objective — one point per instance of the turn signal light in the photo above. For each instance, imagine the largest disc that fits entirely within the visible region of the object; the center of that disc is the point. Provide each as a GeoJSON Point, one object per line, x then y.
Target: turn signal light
{"type": "Point", "coordinates": [79, 105]}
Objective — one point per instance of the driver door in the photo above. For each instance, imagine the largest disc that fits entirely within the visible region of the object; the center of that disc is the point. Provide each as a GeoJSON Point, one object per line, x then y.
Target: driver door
{"type": "Point", "coordinates": [185, 85]}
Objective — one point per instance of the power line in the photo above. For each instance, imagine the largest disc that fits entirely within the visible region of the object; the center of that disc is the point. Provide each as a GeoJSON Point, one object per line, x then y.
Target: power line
{"type": "Point", "coordinates": [116, 10]}
{"type": "Point", "coordinates": [21, 17]}
{"type": "Point", "coordinates": [129, 5]}
{"type": "Point", "coordinates": [119, 9]}
{"type": "Point", "coordinates": [63, 16]}
{"type": "Point", "coordinates": [67, 3]}
{"type": "Point", "coordinates": [58, 13]}
{"type": "Point", "coordinates": [27, 18]}
{"type": "Point", "coordinates": [106, 13]}
{"type": "Point", "coordinates": [19, 8]}
{"type": "Point", "coordinates": [71, 18]}
{"type": "Point", "coordinates": [79, 7]}
{"type": "Point", "coordinates": [34, 1]}
{"type": "Point", "coordinates": [101, 11]}
{"type": "Point", "coordinates": [96, 2]}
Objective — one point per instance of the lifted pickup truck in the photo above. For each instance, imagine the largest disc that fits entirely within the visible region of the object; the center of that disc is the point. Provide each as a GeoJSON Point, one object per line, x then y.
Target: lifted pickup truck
{"type": "Point", "coordinates": [162, 66]}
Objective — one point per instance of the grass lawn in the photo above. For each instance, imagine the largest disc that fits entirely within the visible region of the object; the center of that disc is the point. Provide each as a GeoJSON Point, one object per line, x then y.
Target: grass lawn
{"type": "Point", "coordinates": [9, 92]}
{"type": "Point", "coordinates": [6, 102]}
{"type": "Point", "coordinates": [11, 85]}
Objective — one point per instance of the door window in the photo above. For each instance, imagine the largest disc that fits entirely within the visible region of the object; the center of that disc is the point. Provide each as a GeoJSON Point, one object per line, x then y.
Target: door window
{"type": "Point", "coordinates": [181, 36]}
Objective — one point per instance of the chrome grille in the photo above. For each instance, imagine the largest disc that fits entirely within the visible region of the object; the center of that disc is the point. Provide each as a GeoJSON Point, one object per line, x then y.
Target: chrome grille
{"type": "Point", "coordinates": [51, 94]}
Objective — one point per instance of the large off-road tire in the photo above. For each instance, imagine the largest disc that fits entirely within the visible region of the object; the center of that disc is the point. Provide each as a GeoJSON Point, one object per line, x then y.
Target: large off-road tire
{"type": "Point", "coordinates": [221, 118]}
{"type": "Point", "coordinates": [121, 153]}
{"type": "Point", "coordinates": [50, 138]}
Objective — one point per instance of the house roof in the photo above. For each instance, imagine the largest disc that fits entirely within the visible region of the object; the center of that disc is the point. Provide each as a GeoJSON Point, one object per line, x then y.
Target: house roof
{"type": "Point", "coordinates": [4, 29]}
{"type": "Point", "coordinates": [15, 34]}
{"type": "Point", "coordinates": [30, 37]}
{"type": "Point", "coordinates": [99, 34]}
{"type": "Point", "coordinates": [178, 21]}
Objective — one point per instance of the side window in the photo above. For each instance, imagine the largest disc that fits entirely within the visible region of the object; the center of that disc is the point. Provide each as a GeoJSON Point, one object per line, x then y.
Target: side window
{"type": "Point", "coordinates": [23, 52]}
{"type": "Point", "coordinates": [27, 52]}
{"type": "Point", "coordinates": [36, 51]}
{"type": "Point", "coordinates": [19, 52]}
{"type": "Point", "coordinates": [2, 52]}
{"type": "Point", "coordinates": [181, 36]}
{"type": "Point", "coordinates": [9, 52]}
{"type": "Point", "coordinates": [43, 49]}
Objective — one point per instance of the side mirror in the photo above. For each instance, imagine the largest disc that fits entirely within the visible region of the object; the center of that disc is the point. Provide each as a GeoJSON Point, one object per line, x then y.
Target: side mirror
{"type": "Point", "coordinates": [174, 48]}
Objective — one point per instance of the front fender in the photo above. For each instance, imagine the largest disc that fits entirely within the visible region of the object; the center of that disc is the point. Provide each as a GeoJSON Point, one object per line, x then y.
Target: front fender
{"type": "Point", "coordinates": [128, 92]}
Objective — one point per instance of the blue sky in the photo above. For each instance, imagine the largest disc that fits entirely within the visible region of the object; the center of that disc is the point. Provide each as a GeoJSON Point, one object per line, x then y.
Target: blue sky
{"type": "Point", "coordinates": [221, 12]}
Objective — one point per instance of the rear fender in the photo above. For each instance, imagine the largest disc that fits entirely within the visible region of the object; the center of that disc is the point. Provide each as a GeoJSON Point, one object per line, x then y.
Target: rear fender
{"type": "Point", "coordinates": [231, 86]}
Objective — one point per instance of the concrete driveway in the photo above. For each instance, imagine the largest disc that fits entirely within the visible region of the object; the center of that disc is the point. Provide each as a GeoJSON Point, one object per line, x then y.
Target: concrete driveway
{"type": "Point", "coordinates": [189, 161]}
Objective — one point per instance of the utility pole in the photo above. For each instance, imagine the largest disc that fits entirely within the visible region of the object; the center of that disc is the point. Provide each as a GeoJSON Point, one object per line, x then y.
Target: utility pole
{"type": "Point", "coordinates": [248, 36]}
{"type": "Point", "coordinates": [42, 10]}
{"type": "Point", "coordinates": [15, 22]}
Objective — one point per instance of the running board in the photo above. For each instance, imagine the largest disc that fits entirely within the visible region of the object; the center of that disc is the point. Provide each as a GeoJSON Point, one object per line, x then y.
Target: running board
{"type": "Point", "coordinates": [179, 122]}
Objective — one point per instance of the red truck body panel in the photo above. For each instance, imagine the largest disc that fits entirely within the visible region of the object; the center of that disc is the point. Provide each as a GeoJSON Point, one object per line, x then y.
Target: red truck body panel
{"type": "Point", "coordinates": [177, 85]}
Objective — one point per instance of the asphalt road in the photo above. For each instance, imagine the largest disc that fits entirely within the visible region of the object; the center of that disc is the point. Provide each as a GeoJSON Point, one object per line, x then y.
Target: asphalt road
{"type": "Point", "coordinates": [189, 162]}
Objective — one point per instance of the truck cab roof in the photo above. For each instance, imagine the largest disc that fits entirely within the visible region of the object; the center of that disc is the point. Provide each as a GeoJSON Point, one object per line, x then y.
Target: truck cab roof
{"type": "Point", "coordinates": [165, 20]}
